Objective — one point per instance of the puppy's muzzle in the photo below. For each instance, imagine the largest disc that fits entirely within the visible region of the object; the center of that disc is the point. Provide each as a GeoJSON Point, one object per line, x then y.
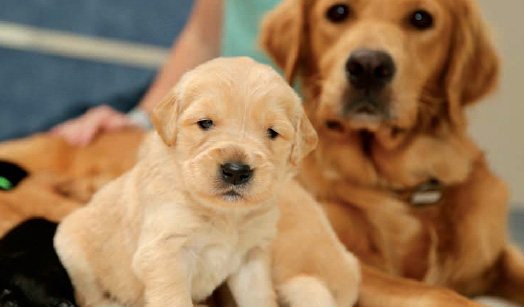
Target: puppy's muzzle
{"type": "Point", "coordinates": [368, 72]}
{"type": "Point", "coordinates": [236, 173]}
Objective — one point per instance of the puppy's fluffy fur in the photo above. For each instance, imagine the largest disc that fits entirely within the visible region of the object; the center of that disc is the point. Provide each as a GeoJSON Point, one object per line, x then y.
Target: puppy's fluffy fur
{"type": "Point", "coordinates": [168, 232]}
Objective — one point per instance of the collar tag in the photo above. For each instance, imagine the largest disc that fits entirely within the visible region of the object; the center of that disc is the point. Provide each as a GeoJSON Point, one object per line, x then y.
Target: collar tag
{"type": "Point", "coordinates": [428, 193]}
{"type": "Point", "coordinates": [423, 198]}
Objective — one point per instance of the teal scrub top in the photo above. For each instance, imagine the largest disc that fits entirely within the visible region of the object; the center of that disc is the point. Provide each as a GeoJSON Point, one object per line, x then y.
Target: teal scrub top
{"type": "Point", "coordinates": [240, 28]}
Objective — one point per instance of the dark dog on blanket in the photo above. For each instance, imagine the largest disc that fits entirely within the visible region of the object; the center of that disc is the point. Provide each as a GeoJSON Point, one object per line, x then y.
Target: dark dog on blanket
{"type": "Point", "coordinates": [31, 274]}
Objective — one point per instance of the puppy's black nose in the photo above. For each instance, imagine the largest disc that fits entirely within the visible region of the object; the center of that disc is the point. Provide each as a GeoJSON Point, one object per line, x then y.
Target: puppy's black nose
{"type": "Point", "coordinates": [236, 173]}
{"type": "Point", "coordinates": [370, 69]}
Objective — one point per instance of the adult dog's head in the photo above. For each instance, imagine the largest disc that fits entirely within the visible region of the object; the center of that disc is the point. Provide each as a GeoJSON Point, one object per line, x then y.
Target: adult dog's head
{"type": "Point", "coordinates": [384, 63]}
{"type": "Point", "coordinates": [235, 129]}
{"type": "Point", "coordinates": [385, 84]}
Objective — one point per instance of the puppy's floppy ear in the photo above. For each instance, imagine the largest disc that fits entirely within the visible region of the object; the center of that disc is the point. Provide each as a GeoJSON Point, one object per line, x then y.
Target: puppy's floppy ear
{"type": "Point", "coordinates": [473, 69]}
{"type": "Point", "coordinates": [165, 116]}
{"type": "Point", "coordinates": [283, 35]}
{"type": "Point", "coordinates": [306, 138]}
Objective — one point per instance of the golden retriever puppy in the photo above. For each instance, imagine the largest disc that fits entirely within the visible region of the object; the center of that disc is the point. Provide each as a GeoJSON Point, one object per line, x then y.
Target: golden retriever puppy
{"type": "Point", "coordinates": [199, 208]}
{"type": "Point", "coordinates": [386, 84]}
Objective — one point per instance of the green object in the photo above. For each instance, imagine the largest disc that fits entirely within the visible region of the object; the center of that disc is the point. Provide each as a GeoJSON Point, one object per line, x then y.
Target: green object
{"type": "Point", "coordinates": [240, 28]}
{"type": "Point", "coordinates": [5, 184]}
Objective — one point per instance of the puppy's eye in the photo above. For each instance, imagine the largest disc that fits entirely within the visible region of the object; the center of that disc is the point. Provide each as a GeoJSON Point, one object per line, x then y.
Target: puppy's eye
{"type": "Point", "coordinates": [338, 13]}
{"type": "Point", "coordinates": [421, 20]}
{"type": "Point", "coordinates": [272, 134]}
{"type": "Point", "coordinates": [205, 124]}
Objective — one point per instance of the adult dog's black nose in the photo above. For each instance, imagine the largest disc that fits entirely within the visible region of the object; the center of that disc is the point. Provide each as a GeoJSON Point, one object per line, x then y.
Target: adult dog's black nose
{"type": "Point", "coordinates": [370, 69]}
{"type": "Point", "coordinates": [236, 173]}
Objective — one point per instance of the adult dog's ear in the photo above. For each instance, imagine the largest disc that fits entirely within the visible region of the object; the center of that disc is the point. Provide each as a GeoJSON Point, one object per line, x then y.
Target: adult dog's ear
{"type": "Point", "coordinates": [165, 117]}
{"type": "Point", "coordinates": [473, 69]}
{"type": "Point", "coordinates": [306, 138]}
{"type": "Point", "coordinates": [283, 35]}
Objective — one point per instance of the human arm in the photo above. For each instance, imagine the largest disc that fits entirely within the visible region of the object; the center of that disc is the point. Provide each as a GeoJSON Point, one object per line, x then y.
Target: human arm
{"type": "Point", "coordinates": [198, 42]}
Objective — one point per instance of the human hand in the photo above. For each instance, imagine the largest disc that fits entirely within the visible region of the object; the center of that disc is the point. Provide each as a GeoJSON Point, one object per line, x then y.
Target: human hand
{"type": "Point", "coordinates": [82, 130]}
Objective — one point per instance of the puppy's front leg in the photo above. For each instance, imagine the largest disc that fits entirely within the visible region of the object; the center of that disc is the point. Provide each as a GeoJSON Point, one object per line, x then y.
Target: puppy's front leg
{"type": "Point", "coordinates": [251, 285]}
{"type": "Point", "coordinates": [165, 274]}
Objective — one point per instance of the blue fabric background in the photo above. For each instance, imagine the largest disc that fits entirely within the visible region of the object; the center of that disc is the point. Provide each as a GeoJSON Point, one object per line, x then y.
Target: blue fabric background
{"type": "Point", "coordinates": [38, 91]}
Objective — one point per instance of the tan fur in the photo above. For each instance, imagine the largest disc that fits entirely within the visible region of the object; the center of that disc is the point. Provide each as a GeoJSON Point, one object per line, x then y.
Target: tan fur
{"type": "Point", "coordinates": [311, 268]}
{"type": "Point", "coordinates": [34, 196]}
{"type": "Point", "coordinates": [110, 153]}
{"type": "Point", "coordinates": [62, 177]}
{"type": "Point", "coordinates": [164, 234]}
{"type": "Point", "coordinates": [461, 241]}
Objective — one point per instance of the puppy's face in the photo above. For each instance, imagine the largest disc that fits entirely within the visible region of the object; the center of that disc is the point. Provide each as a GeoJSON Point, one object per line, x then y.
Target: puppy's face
{"type": "Point", "coordinates": [376, 63]}
{"type": "Point", "coordinates": [237, 131]}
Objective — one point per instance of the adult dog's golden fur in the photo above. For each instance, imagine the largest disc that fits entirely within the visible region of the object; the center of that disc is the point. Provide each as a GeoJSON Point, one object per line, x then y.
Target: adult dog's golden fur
{"type": "Point", "coordinates": [62, 177]}
{"type": "Point", "coordinates": [365, 162]}
{"type": "Point", "coordinates": [170, 221]}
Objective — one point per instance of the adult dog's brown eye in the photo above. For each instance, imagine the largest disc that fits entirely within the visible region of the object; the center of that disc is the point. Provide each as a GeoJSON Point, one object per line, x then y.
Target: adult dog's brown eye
{"type": "Point", "coordinates": [421, 20]}
{"type": "Point", "coordinates": [205, 124]}
{"type": "Point", "coordinates": [272, 134]}
{"type": "Point", "coordinates": [338, 13]}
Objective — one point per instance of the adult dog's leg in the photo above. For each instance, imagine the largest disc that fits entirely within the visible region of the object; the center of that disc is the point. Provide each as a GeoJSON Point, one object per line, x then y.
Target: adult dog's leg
{"type": "Point", "coordinates": [382, 290]}
{"type": "Point", "coordinates": [510, 283]}
{"type": "Point", "coordinates": [38, 153]}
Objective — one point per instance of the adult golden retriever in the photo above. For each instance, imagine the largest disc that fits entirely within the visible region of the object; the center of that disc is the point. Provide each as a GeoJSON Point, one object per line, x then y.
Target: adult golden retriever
{"type": "Point", "coordinates": [386, 84]}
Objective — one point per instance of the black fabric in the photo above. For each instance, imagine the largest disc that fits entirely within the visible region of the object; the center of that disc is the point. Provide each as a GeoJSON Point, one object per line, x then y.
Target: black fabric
{"type": "Point", "coordinates": [31, 274]}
